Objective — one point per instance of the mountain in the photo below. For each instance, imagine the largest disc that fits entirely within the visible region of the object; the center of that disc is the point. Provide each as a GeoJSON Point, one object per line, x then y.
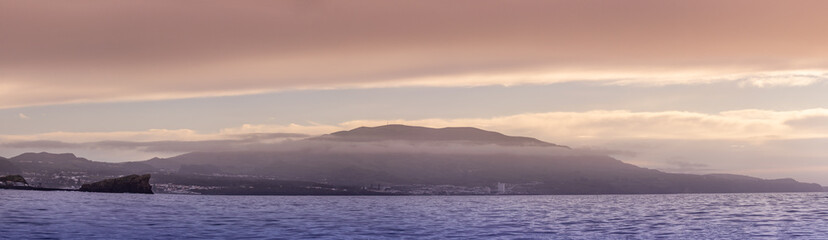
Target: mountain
{"type": "Point", "coordinates": [531, 174]}
{"type": "Point", "coordinates": [468, 158]}
{"type": "Point", "coordinates": [397, 132]}
{"type": "Point", "coordinates": [398, 159]}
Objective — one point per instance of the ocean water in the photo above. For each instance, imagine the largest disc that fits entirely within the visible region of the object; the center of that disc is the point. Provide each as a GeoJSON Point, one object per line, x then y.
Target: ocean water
{"type": "Point", "coordinates": [77, 215]}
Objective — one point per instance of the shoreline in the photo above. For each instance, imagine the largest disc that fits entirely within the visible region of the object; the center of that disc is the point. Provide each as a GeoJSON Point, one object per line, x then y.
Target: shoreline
{"type": "Point", "coordinates": [37, 188]}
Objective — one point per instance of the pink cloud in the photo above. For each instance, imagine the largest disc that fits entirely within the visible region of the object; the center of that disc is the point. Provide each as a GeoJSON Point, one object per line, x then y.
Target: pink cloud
{"type": "Point", "coordinates": [93, 51]}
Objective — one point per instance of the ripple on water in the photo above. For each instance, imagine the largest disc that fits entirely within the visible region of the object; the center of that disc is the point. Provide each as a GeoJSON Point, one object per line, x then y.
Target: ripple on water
{"type": "Point", "coordinates": [29, 214]}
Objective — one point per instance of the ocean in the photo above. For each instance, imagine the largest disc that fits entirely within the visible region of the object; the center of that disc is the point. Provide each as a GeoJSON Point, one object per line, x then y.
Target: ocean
{"type": "Point", "coordinates": [79, 215]}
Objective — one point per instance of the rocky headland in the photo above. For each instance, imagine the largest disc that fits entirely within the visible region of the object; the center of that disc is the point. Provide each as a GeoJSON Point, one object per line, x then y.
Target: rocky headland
{"type": "Point", "coordinates": [13, 180]}
{"type": "Point", "coordinates": [126, 184]}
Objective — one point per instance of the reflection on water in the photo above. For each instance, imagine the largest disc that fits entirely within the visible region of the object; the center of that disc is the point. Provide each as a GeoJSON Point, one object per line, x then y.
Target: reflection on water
{"type": "Point", "coordinates": [32, 214]}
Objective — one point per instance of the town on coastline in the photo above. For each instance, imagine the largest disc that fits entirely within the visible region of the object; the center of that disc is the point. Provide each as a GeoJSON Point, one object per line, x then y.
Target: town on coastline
{"type": "Point", "coordinates": [392, 160]}
{"type": "Point", "coordinates": [124, 184]}
{"type": "Point", "coordinates": [73, 180]}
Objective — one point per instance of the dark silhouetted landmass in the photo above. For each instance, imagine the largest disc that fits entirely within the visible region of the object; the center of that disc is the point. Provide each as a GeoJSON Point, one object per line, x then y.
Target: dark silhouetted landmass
{"type": "Point", "coordinates": [13, 179]}
{"type": "Point", "coordinates": [227, 185]}
{"type": "Point", "coordinates": [18, 182]}
{"type": "Point", "coordinates": [126, 184]}
{"type": "Point", "coordinates": [527, 174]}
{"type": "Point", "coordinates": [399, 159]}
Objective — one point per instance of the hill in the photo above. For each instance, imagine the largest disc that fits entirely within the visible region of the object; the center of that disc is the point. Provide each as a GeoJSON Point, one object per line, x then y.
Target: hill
{"type": "Point", "coordinates": [466, 135]}
{"type": "Point", "coordinates": [400, 159]}
{"type": "Point", "coordinates": [469, 158]}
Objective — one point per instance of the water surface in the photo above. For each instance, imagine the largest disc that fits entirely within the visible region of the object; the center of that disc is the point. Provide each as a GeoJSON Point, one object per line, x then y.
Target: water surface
{"type": "Point", "coordinates": [78, 215]}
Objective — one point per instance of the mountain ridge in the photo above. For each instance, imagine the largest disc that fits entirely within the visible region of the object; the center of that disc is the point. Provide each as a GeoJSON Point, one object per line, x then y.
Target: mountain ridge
{"type": "Point", "coordinates": [417, 133]}
{"type": "Point", "coordinates": [475, 160]}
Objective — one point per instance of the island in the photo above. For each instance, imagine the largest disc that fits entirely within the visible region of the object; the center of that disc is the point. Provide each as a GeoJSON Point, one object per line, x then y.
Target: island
{"type": "Point", "coordinates": [385, 160]}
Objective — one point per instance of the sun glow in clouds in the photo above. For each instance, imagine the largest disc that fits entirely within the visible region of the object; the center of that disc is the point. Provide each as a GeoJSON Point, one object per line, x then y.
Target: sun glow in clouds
{"type": "Point", "coordinates": [563, 127]}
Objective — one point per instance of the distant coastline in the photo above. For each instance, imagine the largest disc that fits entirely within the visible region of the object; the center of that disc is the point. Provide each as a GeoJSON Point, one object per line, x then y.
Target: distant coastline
{"type": "Point", "coordinates": [36, 188]}
{"type": "Point", "coordinates": [125, 184]}
{"type": "Point", "coordinates": [393, 160]}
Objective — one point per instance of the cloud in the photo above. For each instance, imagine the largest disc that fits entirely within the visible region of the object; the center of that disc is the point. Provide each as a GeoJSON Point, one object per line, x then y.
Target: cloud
{"type": "Point", "coordinates": [580, 128]}
{"type": "Point", "coordinates": [769, 159]}
{"type": "Point", "coordinates": [591, 126]}
{"type": "Point", "coordinates": [286, 143]}
{"type": "Point", "coordinates": [786, 79]}
{"type": "Point", "coordinates": [148, 135]}
{"type": "Point", "coordinates": [40, 144]}
{"type": "Point", "coordinates": [686, 167]}
{"type": "Point", "coordinates": [316, 129]}
{"type": "Point", "coordinates": [762, 143]}
{"type": "Point", "coordinates": [22, 116]}
{"type": "Point", "coordinates": [818, 123]}
{"type": "Point", "coordinates": [593, 131]}
{"type": "Point", "coordinates": [239, 142]}
{"type": "Point", "coordinates": [153, 135]}
{"type": "Point", "coordinates": [88, 51]}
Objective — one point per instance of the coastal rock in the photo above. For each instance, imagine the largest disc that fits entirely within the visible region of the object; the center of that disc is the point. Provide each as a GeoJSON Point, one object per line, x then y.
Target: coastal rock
{"type": "Point", "coordinates": [13, 180]}
{"type": "Point", "coordinates": [126, 184]}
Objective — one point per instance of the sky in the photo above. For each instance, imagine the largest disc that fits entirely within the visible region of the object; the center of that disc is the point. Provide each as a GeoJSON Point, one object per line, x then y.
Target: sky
{"type": "Point", "coordinates": [680, 86]}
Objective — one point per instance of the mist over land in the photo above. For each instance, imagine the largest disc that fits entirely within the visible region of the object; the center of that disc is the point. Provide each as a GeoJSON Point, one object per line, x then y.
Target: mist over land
{"type": "Point", "coordinates": [621, 113]}
{"type": "Point", "coordinates": [396, 159]}
{"type": "Point", "coordinates": [692, 87]}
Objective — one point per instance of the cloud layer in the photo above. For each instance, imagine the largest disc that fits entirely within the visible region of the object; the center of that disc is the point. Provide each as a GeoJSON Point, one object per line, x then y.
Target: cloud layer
{"type": "Point", "coordinates": [763, 143]}
{"type": "Point", "coordinates": [567, 127]}
{"type": "Point", "coordinates": [89, 51]}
